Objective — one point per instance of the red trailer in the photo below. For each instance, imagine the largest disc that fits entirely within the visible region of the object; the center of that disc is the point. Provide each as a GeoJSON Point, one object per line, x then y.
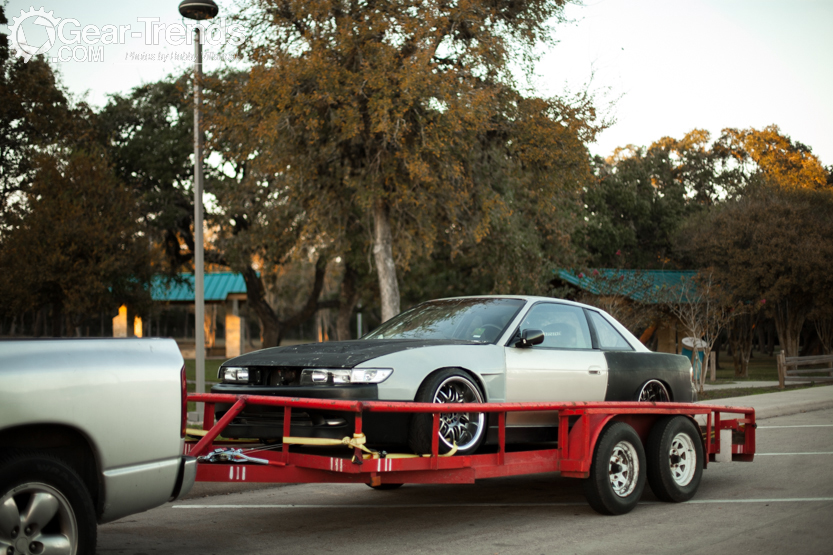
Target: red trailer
{"type": "Point", "coordinates": [614, 447]}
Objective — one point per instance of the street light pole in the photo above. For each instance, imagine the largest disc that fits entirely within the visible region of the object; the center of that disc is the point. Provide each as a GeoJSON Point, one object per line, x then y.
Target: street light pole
{"type": "Point", "coordinates": [198, 10]}
{"type": "Point", "coordinates": [199, 248]}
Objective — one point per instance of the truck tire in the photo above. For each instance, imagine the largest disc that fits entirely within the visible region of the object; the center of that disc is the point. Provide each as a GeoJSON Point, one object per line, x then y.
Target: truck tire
{"type": "Point", "coordinates": [617, 471]}
{"type": "Point", "coordinates": [44, 504]}
{"type": "Point", "coordinates": [675, 459]}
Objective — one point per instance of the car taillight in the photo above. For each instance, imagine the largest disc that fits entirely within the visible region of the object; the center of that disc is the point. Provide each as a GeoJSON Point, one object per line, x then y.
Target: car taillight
{"type": "Point", "coordinates": [184, 393]}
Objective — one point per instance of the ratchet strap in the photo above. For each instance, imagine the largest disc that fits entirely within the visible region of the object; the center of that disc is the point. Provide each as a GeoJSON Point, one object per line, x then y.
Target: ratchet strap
{"type": "Point", "coordinates": [358, 441]}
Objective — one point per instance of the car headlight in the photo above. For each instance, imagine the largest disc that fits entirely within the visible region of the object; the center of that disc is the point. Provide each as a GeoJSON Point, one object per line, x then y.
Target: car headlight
{"type": "Point", "coordinates": [233, 374]}
{"type": "Point", "coordinates": [341, 377]}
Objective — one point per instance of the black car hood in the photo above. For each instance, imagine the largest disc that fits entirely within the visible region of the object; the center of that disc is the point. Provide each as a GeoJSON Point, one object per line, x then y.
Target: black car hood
{"type": "Point", "coordinates": [335, 354]}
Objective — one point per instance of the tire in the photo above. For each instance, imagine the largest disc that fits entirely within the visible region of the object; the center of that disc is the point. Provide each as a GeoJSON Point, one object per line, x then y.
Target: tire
{"type": "Point", "coordinates": [617, 471]}
{"type": "Point", "coordinates": [63, 517]}
{"type": "Point", "coordinates": [467, 430]}
{"type": "Point", "coordinates": [385, 487]}
{"type": "Point", "coordinates": [675, 459]}
{"type": "Point", "coordinates": [653, 391]}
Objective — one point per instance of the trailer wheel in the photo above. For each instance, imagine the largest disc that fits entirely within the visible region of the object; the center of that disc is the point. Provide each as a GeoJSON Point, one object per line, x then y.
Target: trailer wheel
{"type": "Point", "coordinates": [44, 507]}
{"type": "Point", "coordinates": [464, 429]}
{"type": "Point", "coordinates": [617, 471]}
{"type": "Point", "coordinates": [385, 487]}
{"type": "Point", "coordinates": [675, 459]}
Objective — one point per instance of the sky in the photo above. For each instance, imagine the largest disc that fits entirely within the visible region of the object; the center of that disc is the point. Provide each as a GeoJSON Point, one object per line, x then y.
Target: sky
{"type": "Point", "coordinates": [659, 67]}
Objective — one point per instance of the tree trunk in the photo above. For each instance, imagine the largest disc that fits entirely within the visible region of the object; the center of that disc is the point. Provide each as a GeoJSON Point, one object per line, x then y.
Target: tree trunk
{"type": "Point", "coordinates": [824, 329]}
{"type": "Point", "coordinates": [760, 330]}
{"type": "Point", "coordinates": [270, 326]}
{"type": "Point", "coordinates": [740, 338]}
{"type": "Point", "coordinates": [57, 318]}
{"type": "Point", "coordinates": [349, 296]}
{"type": "Point", "coordinates": [38, 324]}
{"type": "Point", "coordinates": [789, 319]}
{"type": "Point", "coordinates": [383, 256]}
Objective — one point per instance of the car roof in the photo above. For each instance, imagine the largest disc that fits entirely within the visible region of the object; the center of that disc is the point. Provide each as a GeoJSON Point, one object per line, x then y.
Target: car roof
{"type": "Point", "coordinates": [530, 298]}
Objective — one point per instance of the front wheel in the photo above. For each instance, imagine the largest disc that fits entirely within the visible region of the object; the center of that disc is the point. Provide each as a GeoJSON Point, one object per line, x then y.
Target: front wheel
{"type": "Point", "coordinates": [675, 459]}
{"type": "Point", "coordinates": [44, 508]}
{"type": "Point", "coordinates": [617, 471]}
{"type": "Point", "coordinates": [466, 430]}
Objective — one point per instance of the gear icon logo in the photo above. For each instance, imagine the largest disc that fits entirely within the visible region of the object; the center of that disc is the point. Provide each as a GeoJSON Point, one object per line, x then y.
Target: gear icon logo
{"type": "Point", "coordinates": [17, 37]}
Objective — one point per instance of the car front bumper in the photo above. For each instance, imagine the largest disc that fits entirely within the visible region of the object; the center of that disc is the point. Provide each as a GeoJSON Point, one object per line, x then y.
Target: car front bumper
{"type": "Point", "coordinates": [266, 422]}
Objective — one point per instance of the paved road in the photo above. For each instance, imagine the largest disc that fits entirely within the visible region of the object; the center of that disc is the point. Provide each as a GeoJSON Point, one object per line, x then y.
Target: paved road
{"type": "Point", "coordinates": [781, 503]}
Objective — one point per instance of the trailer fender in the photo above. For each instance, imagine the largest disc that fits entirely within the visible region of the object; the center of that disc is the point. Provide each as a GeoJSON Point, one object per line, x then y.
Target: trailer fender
{"type": "Point", "coordinates": [580, 441]}
{"type": "Point", "coordinates": [582, 438]}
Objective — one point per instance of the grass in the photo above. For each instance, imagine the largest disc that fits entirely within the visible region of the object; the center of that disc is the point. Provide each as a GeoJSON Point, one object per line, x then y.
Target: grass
{"type": "Point", "coordinates": [761, 368]}
{"type": "Point", "coordinates": [744, 391]}
{"type": "Point", "coordinates": [211, 367]}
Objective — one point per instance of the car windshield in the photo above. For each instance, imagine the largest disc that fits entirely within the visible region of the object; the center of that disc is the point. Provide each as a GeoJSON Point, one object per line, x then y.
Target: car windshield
{"type": "Point", "coordinates": [481, 320]}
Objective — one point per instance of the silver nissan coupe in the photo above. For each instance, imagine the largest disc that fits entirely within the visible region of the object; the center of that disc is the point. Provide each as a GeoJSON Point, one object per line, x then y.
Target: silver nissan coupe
{"type": "Point", "coordinates": [461, 350]}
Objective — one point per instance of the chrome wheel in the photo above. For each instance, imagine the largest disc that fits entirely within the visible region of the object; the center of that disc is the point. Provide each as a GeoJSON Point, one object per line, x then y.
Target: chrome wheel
{"type": "Point", "coordinates": [623, 468]}
{"type": "Point", "coordinates": [654, 392]}
{"type": "Point", "coordinates": [682, 458]}
{"type": "Point", "coordinates": [461, 428]}
{"type": "Point", "coordinates": [36, 518]}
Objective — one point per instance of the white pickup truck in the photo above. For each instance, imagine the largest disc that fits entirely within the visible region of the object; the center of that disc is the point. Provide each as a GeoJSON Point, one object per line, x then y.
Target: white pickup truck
{"type": "Point", "coordinates": [91, 430]}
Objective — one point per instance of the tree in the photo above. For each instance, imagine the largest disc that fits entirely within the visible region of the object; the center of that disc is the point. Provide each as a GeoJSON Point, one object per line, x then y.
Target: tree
{"type": "Point", "coordinates": [386, 114]}
{"type": "Point", "coordinates": [642, 195]}
{"type": "Point", "coordinates": [704, 308]}
{"type": "Point", "coordinates": [772, 246]}
{"type": "Point", "coordinates": [33, 114]}
{"type": "Point", "coordinates": [771, 155]}
{"type": "Point", "coordinates": [74, 243]}
{"type": "Point", "coordinates": [148, 134]}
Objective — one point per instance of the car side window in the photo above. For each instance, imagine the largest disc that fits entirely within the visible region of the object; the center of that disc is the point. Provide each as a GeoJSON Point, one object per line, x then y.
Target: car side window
{"type": "Point", "coordinates": [564, 326]}
{"type": "Point", "coordinates": [609, 339]}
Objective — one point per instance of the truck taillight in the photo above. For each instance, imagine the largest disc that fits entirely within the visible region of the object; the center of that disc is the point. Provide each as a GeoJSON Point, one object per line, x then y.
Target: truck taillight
{"type": "Point", "coordinates": [184, 394]}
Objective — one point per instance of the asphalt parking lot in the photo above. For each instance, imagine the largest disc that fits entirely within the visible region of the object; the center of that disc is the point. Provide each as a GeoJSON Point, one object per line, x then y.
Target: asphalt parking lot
{"type": "Point", "coordinates": [783, 502]}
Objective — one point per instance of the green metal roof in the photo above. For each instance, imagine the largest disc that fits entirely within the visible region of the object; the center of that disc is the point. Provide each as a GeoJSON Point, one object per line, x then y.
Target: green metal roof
{"type": "Point", "coordinates": [645, 286]}
{"type": "Point", "coordinates": [218, 287]}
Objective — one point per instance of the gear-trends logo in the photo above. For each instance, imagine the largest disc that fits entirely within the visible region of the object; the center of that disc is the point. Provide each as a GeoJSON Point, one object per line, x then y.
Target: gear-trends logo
{"type": "Point", "coordinates": [67, 39]}
{"type": "Point", "coordinates": [18, 36]}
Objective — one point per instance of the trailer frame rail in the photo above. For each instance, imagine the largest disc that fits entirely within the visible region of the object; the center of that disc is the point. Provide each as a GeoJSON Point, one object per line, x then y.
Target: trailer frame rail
{"type": "Point", "coordinates": [571, 455]}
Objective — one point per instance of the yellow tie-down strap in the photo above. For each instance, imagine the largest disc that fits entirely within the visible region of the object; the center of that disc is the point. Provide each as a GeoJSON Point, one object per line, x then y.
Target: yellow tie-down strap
{"type": "Point", "coordinates": [358, 441]}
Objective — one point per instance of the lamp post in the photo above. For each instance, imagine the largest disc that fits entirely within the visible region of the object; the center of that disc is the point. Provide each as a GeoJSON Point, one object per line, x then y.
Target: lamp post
{"type": "Point", "coordinates": [198, 10]}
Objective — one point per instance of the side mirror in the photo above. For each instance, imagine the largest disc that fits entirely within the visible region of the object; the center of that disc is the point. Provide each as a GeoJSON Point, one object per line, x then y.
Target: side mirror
{"type": "Point", "coordinates": [530, 338]}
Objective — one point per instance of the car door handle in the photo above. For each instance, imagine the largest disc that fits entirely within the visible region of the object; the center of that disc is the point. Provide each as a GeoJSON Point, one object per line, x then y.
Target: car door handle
{"type": "Point", "coordinates": [595, 370]}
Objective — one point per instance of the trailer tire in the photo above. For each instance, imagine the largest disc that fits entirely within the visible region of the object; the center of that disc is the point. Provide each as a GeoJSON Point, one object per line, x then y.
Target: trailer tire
{"type": "Point", "coordinates": [385, 487]}
{"type": "Point", "coordinates": [64, 513]}
{"type": "Point", "coordinates": [617, 471]}
{"type": "Point", "coordinates": [675, 459]}
{"type": "Point", "coordinates": [450, 385]}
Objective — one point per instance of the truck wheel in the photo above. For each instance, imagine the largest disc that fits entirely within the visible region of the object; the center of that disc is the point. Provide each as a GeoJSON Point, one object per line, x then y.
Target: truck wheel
{"type": "Point", "coordinates": [44, 507]}
{"type": "Point", "coordinates": [464, 429]}
{"type": "Point", "coordinates": [675, 459]}
{"type": "Point", "coordinates": [617, 471]}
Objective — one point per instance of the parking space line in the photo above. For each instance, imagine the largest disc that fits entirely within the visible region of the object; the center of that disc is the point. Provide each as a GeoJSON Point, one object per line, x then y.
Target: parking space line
{"type": "Point", "coordinates": [782, 454]}
{"type": "Point", "coordinates": [492, 505]}
{"type": "Point", "coordinates": [797, 426]}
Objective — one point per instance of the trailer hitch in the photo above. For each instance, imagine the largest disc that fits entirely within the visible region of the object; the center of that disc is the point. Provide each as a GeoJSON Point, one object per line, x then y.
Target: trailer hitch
{"type": "Point", "coordinates": [229, 455]}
